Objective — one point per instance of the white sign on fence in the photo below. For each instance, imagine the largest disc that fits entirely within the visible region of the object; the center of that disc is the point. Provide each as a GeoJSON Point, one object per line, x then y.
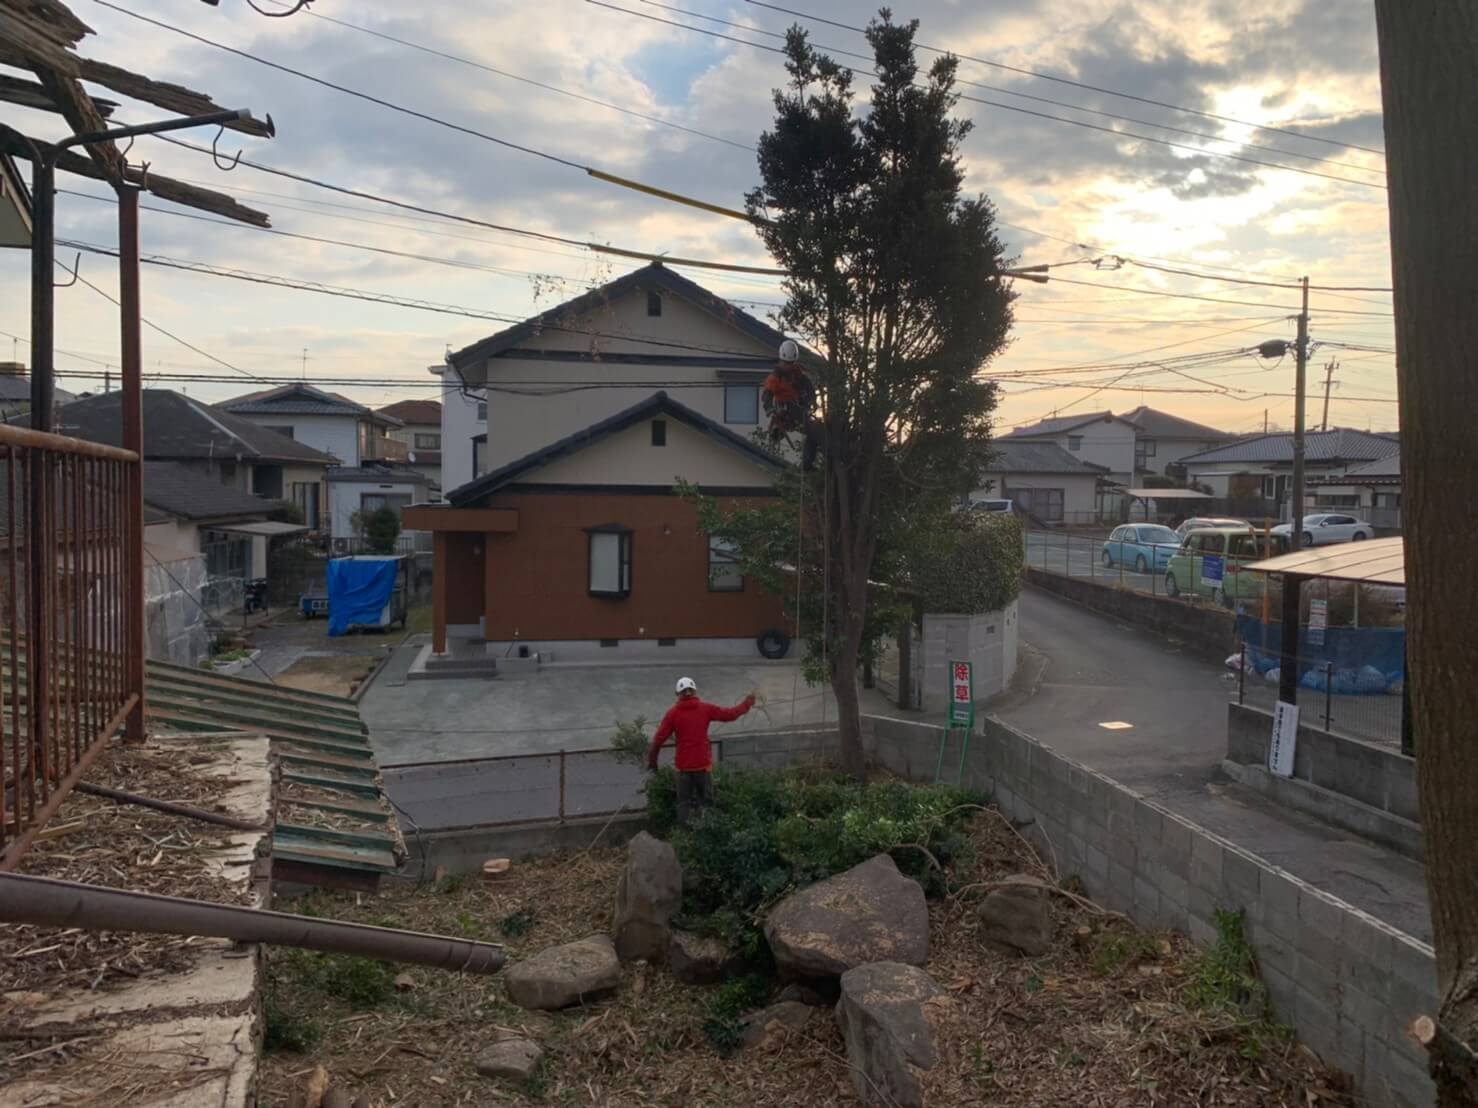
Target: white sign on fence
{"type": "Point", "coordinates": [1318, 621]}
{"type": "Point", "coordinates": [1285, 738]}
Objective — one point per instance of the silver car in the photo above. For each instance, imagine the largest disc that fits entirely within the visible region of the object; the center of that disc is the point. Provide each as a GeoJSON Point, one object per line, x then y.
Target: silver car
{"type": "Point", "coordinates": [1325, 529]}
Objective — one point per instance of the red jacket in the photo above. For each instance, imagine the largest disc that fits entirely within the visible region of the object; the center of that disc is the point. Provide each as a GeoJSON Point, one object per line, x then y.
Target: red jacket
{"type": "Point", "coordinates": [688, 719]}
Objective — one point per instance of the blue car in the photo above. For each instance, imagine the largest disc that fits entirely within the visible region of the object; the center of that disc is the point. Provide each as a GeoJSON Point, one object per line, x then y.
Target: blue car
{"type": "Point", "coordinates": [1147, 547]}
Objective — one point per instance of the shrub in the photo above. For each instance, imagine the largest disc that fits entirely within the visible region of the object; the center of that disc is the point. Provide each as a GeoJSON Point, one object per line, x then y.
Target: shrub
{"type": "Point", "coordinates": [722, 1021]}
{"type": "Point", "coordinates": [284, 1031]}
{"type": "Point", "coordinates": [970, 564]}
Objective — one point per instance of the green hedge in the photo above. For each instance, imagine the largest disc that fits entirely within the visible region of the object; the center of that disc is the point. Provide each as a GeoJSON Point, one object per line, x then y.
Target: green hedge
{"type": "Point", "coordinates": [971, 564]}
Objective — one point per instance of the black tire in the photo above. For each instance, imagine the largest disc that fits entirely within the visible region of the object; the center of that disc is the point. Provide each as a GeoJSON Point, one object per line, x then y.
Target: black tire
{"type": "Point", "coordinates": [773, 644]}
{"type": "Point", "coordinates": [1308, 538]}
{"type": "Point", "coordinates": [1171, 588]}
{"type": "Point", "coordinates": [1108, 559]}
{"type": "Point", "coordinates": [1140, 565]}
{"type": "Point", "coordinates": [1359, 536]}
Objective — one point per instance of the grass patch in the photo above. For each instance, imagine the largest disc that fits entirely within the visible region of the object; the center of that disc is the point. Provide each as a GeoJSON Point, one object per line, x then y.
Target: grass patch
{"type": "Point", "coordinates": [1223, 978]}
{"type": "Point", "coordinates": [724, 1014]}
{"type": "Point", "coordinates": [1116, 949]}
{"type": "Point", "coordinates": [517, 924]}
{"type": "Point", "coordinates": [282, 1030]}
{"type": "Point", "coordinates": [359, 982]}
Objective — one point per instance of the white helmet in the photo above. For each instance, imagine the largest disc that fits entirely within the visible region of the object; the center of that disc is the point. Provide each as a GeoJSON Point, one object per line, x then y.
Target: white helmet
{"type": "Point", "coordinates": [686, 685]}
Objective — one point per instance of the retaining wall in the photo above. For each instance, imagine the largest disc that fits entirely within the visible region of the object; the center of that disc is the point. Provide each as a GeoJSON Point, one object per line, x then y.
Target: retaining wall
{"type": "Point", "coordinates": [1201, 628]}
{"type": "Point", "coordinates": [987, 640]}
{"type": "Point", "coordinates": [1345, 981]}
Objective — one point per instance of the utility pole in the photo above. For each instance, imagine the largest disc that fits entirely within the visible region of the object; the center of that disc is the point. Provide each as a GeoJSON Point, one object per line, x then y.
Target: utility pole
{"type": "Point", "coordinates": [1264, 421]}
{"type": "Point", "coordinates": [1328, 382]}
{"type": "Point", "coordinates": [1288, 662]}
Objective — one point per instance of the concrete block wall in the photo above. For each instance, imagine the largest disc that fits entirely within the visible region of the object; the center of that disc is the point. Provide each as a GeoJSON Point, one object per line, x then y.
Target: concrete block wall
{"type": "Point", "coordinates": [987, 640]}
{"type": "Point", "coordinates": [1203, 629]}
{"type": "Point", "coordinates": [1346, 982]}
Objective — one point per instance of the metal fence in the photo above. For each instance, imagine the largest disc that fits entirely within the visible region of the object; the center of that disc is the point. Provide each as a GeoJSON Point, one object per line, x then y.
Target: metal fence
{"type": "Point", "coordinates": [69, 681]}
{"type": "Point", "coordinates": [1080, 552]}
{"type": "Point", "coordinates": [1342, 700]}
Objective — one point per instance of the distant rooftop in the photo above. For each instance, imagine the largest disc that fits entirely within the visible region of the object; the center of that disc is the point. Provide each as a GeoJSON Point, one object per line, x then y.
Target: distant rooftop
{"type": "Point", "coordinates": [1039, 457]}
{"type": "Point", "coordinates": [1343, 444]}
{"type": "Point", "coordinates": [1156, 424]}
{"type": "Point", "coordinates": [413, 411]}
{"type": "Point", "coordinates": [300, 398]}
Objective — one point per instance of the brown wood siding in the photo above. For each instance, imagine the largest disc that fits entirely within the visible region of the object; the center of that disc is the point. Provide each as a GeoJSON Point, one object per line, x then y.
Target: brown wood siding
{"type": "Point", "coordinates": [464, 577]}
{"type": "Point", "coordinates": [538, 577]}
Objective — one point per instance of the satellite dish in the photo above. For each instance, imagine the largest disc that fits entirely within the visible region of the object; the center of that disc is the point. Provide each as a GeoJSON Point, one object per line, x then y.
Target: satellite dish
{"type": "Point", "coordinates": [789, 351]}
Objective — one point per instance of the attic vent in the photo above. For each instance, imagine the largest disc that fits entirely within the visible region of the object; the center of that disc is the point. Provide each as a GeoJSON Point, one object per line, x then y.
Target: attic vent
{"type": "Point", "coordinates": [659, 432]}
{"type": "Point", "coordinates": [654, 303]}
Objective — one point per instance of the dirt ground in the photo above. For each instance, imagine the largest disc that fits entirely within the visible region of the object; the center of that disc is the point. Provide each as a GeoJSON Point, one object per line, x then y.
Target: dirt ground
{"type": "Point", "coordinates": [337, 674]}
{"type": "Point", "coordinates": [1105, 1018]}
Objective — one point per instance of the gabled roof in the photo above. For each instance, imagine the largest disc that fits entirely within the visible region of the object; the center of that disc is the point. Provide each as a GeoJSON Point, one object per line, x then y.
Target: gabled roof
{"type": "Point", "coordinates": [15, 388]}
{"type": "Point", "coordinates": [1343, 444]}
{"type": "Point", "coordinates": [413, 411]}
{"type": "Point", "coordinates": [1382, 471]}
{"type": "Point", "coordinates": [1061, 425]}
{"type": "Point", "coordinates": [383, 472]}
{"type": "Point", "coordinates": [300, 398]}
{"type": "Point", "coordinates": [1155, 424]}
{"type": "Point", "coordinates": [658, 403]}
{"type": "Point", "coordinates": [654, 276]}
{"type": "Point", "coordinates": [177, 427]}
{"type": "Point", "coordinates": [180, 493]}
{"type": "Point", "coordinates": [1039, 457]}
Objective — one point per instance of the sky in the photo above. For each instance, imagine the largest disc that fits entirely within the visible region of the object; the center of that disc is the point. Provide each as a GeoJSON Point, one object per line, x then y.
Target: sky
{"type": "Point", "coordinates": [1064, 193]}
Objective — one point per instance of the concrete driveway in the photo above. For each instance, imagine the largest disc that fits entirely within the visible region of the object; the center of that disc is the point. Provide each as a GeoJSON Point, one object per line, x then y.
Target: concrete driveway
{"type": "Point", "coordinates": [567, 707]}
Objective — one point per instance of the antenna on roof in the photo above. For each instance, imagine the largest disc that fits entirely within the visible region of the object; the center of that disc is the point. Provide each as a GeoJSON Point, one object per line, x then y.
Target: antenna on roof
{"type": "Point", "coordinates": [305, 363]}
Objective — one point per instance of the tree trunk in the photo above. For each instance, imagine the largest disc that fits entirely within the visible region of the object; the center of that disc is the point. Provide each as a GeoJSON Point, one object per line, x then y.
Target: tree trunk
{"type": "Point", "coordinates": [1429, 55]}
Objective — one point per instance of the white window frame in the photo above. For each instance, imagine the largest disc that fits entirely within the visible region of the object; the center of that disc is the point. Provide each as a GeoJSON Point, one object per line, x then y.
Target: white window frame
{"type": "Point", "coordinates": [724, 574]}
{"type": "Point", "coordinates": [601, 544]}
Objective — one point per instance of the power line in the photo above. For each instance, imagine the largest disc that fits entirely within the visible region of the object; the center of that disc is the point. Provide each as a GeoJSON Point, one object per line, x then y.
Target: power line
{"type": "Point", "coordinates": [1083, 85]}
{"type": "Point", "coordinates": [1014, 107]}
{"type": "Point", "coordinates": [598, 174]}
{"type": "Point", "coordinates": [1236, 281]}
{"type": "Point", "coordinates": [1030, 96]}
{"type": "Point", "coordinates": [1213, 299]}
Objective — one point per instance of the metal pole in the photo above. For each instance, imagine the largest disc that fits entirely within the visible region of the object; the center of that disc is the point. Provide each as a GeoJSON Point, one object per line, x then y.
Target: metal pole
{"type": "Point", "coordinates": [1242, 677]}
{"type": "Point", "coordinates": [51, 903]}
{"type": "Point", "coordinates": [1288, 659]}
{"type": "Point", "coordinates": [1328, 693]}
{"type": "Point", "coordinates": [43, 307]}
{"type": "Point", "coordinates": [129, 309]}
{"type": "Point", "coordinates": [40, 568]}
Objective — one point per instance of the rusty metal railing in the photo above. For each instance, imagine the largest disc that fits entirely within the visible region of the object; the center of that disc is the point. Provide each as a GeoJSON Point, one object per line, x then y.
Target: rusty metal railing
{"type": "Point", "coordinates": [67, 535]}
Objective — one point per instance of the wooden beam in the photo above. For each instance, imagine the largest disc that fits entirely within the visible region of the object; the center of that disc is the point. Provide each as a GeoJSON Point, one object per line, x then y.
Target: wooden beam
{"type": "Point", "coordinates": [52, 19]}
{"type": "Point", "coordinates": [22, 37]}
{"type": "Point", "coordinates": [32, 94]}
{"type": "Point", "coordinates": [14, 143]}
{"type": "Point", "coordinates": [162, 94]}
{"type": "Point", "coordinates": [78, 110]}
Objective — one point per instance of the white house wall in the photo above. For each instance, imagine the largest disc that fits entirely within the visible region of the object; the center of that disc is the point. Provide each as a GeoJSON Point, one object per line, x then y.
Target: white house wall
{"type": "Point", "coordinates": [1079, 491]}
{"type": "Point", "coordinates": [459, 423]}
{"type": "Point", "coordinates": [1170, 451]}
{"type": "Point", "coordinates": [343, 498]}
{"type": "Point", "coordinates": [335, 435]}
{"type": "Point", "coordinates": [629, 458]}
{"type": "Point", "coordinates": [1104, 443]}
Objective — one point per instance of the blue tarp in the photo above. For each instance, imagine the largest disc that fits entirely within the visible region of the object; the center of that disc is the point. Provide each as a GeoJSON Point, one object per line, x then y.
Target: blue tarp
{"type": "Point", "coordinates": [358, 590]}
{"type": "Point", "coordinates": [1366, 660]}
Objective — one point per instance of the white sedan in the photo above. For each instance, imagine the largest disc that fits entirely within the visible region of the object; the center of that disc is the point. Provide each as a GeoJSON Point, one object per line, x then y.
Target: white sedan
{"type": "Point", "coordinates": [1321, 530]}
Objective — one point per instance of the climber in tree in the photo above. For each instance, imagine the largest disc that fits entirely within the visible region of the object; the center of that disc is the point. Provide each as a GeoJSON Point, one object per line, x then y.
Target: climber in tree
{"type": "Point", "coordinates": [788, 397]}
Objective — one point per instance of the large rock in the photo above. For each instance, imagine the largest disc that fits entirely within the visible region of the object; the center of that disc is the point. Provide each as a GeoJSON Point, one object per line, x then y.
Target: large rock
{"type": "Point", "coordinates": [1017, 917]}
{"type": "Point", "coordinates": [870, 913]}
{"type": "Point", "coordinates": [886, 1014]}
{"type": "Point", "coordinates": [564, 975]}
{"type": "Point", "coordinates": [515, 1059]}
{"type": "Point", "coordinates": [700, 959]}
{"type": "Point", "coordinates": [770, 1028]}
{"type": "Point", "coordinates": [649, 892]}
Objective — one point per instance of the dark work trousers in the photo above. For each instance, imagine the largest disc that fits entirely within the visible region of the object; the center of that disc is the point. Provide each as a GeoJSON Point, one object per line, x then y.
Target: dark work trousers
{"type": "Point", "coordinates": [694, 793]}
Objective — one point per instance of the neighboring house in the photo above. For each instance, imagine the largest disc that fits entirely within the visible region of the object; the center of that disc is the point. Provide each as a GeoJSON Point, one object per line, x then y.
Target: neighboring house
{"type": "Point", "coordinates": [230, 451]}
{"type": "Point", "coordinates": [1261, 466]}
{"type": "Point", "coordinates": [1046, 483]}
{"type": "Point", "coordinates": [1371, 491]}
{"type": "Point", "coordinates": [573, 531]}
{"type": "Point", "coordinates": [344, 429]}
{"type": "Point", "coordinates": [420, 430]}
{"type": "Point", "coordinates": [355, 491]}
{"type": "Point", "coordinates": [464, 429]}
{"type": "Point", "coordinates": [15, 392]}
{"type": "Point", "coordinates": [187, 513]}
{"type": "Point", "coordinates": [1162, 440]}
{"type": "Point", "coordinates": [1101, 439]}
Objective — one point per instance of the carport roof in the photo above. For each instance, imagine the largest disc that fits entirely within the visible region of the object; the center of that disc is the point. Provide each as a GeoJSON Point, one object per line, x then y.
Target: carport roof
{"type": "Point", "coordinates": [1374, 562]}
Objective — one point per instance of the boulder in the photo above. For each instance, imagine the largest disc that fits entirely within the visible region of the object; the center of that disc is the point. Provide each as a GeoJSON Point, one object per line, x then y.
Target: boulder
{"type": "Point", "coordinates": [1017, 918]}
{"type": "Point", "coordinates": [564, 975]}
{"type": "Point", "coordinates": [515, 1059]}
{"type": "Point", "coordinates": [769, 1028]}
{"type": "Point", "coordinates": [886, 1014]}
{"type": "Point", "coordinates": [870, 913]}
{"type": "Point", "coordinates": [649, 892]}
{"type": "Point", "coordinates": [803, 994]}
{"type": "Point", "coordinates": [700, 959]}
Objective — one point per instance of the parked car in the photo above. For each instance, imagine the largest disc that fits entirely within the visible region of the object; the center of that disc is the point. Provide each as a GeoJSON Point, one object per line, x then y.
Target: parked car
{"type": "Point", "coordinates": [1003, 506]}
{"type": "Point", "coordinates": [1222, 524]}
{"type": "Point", "coordinates": [1236, 549]}
{"type": "Point", "coordinates": [1145, 546]}
{"type": "Point", "coordinates": [1321, 530]}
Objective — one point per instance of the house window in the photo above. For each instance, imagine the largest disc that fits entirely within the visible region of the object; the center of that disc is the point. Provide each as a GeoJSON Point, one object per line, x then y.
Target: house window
{"type": "Point", "coordinates": [374, 501]}
{"type": "Point", "coordinates": [482, 411]}
{"type": "Point", "coordinates": [305, 496]}
{"type": "Point", "coordinates": [427, 440]}
{"type": "Point", "coordinates": [610, 560]}
{"type": "Point", "coordinates": [723, 567]}
{"type": "Point", "coordinates": [479, 456]}
{"type": "Point", "coordinates": [1075, 443]}
{"type": "Point", "coordinates": [741, 404]}
{"type": "Point", "coordinates": [1144, 450]}
{"type": "Point", "coordinates": [654, 303]}
{"type": "Point", "coordinates": [228, 474]}
{"type": "Point", "coordinates": [659, 432]}
{"type": "Point", "coordinates": [280, 429]}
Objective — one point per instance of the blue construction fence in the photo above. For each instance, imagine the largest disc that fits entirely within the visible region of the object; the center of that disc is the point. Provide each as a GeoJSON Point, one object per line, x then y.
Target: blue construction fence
{"type": "Point", "coordinates": [1351, 661]}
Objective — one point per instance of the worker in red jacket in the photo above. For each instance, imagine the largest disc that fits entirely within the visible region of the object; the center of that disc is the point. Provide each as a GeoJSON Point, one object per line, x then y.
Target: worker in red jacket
{"type": "Point", "coordinates": [688, 719]}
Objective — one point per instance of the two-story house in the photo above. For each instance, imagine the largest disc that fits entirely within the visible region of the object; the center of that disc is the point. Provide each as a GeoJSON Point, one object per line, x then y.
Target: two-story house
{"type": "Point", "coordinates": [1102, 440]}
{"type": "Point", "coordinates": [1162, 441]}
{"type": "Point", "coordinates": [372, 470]}
{"type": "Point", "coordinates": [420, 431]}
{"type": "Point", "coordinates": [464, 429]}
{"type": "Point", "coordinates": [596, 409]}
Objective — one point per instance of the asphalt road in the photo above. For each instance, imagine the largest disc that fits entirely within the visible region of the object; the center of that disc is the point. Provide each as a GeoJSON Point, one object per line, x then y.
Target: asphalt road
{"type": "Point", "coordinates": [1098, 671]}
